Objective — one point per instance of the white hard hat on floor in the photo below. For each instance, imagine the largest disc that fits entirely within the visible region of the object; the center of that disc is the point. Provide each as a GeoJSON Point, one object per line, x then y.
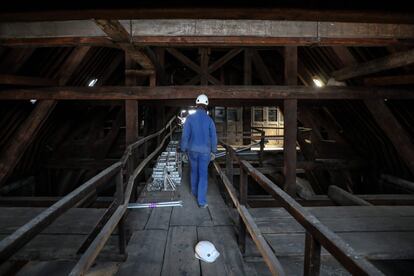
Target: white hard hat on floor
{"type": "Point", "coordinates": [202, 99]}
{"type": "Point", "coordinates": [206, 251]}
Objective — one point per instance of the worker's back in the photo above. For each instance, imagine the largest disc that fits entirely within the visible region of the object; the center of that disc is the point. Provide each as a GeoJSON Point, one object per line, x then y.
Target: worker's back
{"type": "Point", "coordinates": [199, 133]}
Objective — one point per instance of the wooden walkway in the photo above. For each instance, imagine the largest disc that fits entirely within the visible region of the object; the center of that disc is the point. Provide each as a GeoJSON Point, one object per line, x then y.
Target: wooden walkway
{"type": "Point", "coordinates": [163, 239]}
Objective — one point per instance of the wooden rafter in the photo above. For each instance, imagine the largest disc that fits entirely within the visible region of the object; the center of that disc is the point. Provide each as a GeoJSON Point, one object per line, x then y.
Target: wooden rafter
{"type": "Point", "coordinates": [399, 137]}
{"type": "Point", "coordinates": [121, 37]}
{"type": "Point", "coordinates": [24, 80]}
{"type": "Point", "coordinates": [390, 80]}
{"type": "Point", "coordinates": [193, 66]}
{"type": "Point", "coordinates": [374, 66]}
{"type": "Point", "coordinates": [262, 69]}
{"type": "Point", "coordinates": [385, 119]}
{"type": "Point", "coordinates": [26, 133]}
{"type": "Point", "coordinates": [21, 140]}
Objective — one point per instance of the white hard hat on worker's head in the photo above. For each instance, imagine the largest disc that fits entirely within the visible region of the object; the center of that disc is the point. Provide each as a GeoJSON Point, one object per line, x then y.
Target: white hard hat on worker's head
{"type": "Point", "coordinates": [206, 251]}
{"type": "Point", "coordinates": [202, 99]}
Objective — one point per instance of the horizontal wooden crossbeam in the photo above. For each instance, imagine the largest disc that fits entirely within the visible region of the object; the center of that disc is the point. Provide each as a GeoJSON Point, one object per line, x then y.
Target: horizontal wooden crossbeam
{"type": "Point", "coordinates": [198, 32]}
{"type": "Point", "coordinates": [270, 92]}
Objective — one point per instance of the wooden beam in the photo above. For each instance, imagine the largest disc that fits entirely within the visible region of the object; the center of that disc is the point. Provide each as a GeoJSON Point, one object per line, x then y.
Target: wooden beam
{"type": "Point", "coordinates": [390, 80]}
{"type": "Point", "coordinates": [398, 136]}
{"type": "Point", "coordinates": [215, 92]}
{"type": "Point", "coordinates": [204, 41]}
{"type": "Point", "coordinates": [224, 59]}
{"type": "Point", "coordinates": [71, 63]}
{"type": "Point", "coordinates": [31, 126]}
{"type": "Point", "coordinates": [399, 182]}
{"type": "Point", "coordinates": [204, 59]}
{"type": "Point", "coordinates": [290, 123]}
{"type": "Point", "coordinates": [118, 34]}
{"type": "Point", "coordinates": [201, 32]}
{"type": "Point", "coordinates": [15, 59]}
{"type": "Point", "coordinates": [189, 63]}
{"type": "Point", "coordinates": [376, 65]}
{"type": "Point", "coordinates": [344, 198]}
{"type": "Point", "coordinates": [27, 81]}
{"type": "Point", "coordinates": [263, 72]}
{"type": "Point", "coordinates": [131, 108]}
{"type": "Point", "coordinates": [23, 137]}
{"type": "Point", "coordinates": [247, 79]}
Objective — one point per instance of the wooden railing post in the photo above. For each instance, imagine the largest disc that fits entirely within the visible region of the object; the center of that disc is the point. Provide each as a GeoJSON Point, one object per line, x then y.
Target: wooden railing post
{"type": "Point", "coordinates": [262, 145]}
{"type": "Point", "coordinates": [229, 165]}
{"type": "Point", "coordinates": [121, 224]}
{"type": "Point", "coordinates": [312, 256]}
{"type": "Point", "coordinates": [243, 201]}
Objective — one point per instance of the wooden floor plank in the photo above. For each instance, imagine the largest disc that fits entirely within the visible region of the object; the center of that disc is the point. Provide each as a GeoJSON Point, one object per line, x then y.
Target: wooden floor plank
{"type": "Point", "coordinates": [45, 247]}
{"type": "Point", "coordinates": [74, 221]}
{"type": "Point", "coordinates": [137, 219]}
{"type": "Point", "coordinates": [359, 224]}
{"type": "Point", "coordinates": [145, 253]}
{"type": "Point", "coordinates": [230, 260]}
{"type": "Point", "coordinates": [190, 213]}
{"type": "Point", "coordinates": [375, 245]}
{"type": "Point", "coordinates": [218, 267]}
{"type": "Point", "coordinates": [159, 218]}
{"type": "Point", "coordinates": [179, 256]}
{"type": "Point", "coordinates": [264, 214]}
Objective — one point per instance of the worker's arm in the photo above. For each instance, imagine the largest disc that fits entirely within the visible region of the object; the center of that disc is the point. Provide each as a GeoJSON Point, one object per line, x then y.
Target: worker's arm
{"type": "Point", "coordinates": [185, 137]}
{"type": "Point", "coordinates": [213, 136]}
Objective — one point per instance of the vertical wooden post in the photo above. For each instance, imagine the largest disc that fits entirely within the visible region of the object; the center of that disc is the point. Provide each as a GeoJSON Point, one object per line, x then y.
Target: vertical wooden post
{"type": "Point", "coordinates": [225, 134]}
{"type": "Point", "coordinates": [204, 57]}
{"type": "Point", "coordinates": [290, 123]}
{"type": "Point", "coordinates": [243, 201]}
{"type": "Point", "coordinates": [312, 256]}
{"type": "Point", "coordinates": [121, 224]}
{"type": "Point", "coordinates": [229, 165]}
{"type": "Point", "coordinates": [262, 145]}
{"type": "Point", "coordinates": [247, 111]}
{"type": "Point", "coordinates": [131, 109]}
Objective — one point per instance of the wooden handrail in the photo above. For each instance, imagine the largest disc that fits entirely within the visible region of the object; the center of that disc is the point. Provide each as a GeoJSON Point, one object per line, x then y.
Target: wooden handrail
{"type": "Point", "coordinates": [16, 240]}
{"type": "Point", "coordinates": [264, 248]}
{"type": "Point", "coordinates": [20, 237]}
{"type": "Point", "coordinates": [317, 233]}
{"type": "Point", "coordinates": [99, 242]}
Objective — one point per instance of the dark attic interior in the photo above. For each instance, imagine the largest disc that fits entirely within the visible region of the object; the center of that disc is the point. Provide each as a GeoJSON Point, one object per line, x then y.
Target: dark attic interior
{"type": "Point", "coordinates": [313, 107]}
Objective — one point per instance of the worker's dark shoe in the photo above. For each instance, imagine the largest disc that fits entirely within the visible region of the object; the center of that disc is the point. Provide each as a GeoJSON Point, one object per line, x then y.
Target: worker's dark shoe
{"type": "Point", "coordinates": [204, 205]}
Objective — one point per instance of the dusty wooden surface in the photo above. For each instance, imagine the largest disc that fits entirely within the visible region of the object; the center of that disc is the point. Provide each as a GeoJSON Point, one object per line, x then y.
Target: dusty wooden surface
{"type": "Point", "coordinates": [165, 244]}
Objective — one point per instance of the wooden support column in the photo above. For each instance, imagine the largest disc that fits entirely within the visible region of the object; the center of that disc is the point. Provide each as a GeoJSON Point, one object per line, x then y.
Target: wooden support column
{"type": "Point", "coordinates": [290, 123]}
{"type": "Point", "coordinates": [393, 129]}
{"type": "Point", "coordinates": [131, 108]}
{"type": "Point", "coordinates": [243, 200]}
{"type": "Point", "coordinates": [312, 262]}
{"type": "Point", "coordinates": [247, 111]}
{"type": "Point", "coordinates": [204, 57]}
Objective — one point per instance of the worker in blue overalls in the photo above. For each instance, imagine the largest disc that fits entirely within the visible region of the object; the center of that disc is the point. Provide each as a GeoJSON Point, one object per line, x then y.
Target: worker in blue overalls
{"type": "Point", "coordinates": [199, 142]}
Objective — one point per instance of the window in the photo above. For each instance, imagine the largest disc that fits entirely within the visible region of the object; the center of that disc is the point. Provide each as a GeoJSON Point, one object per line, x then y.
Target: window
{"type": "Point", "coordinates": [272, 114]}
{"type": "Point", "coordinates": [232, 114]}
{"type": "Point", "coordinates": [219, 114]}
{"type": "Point", "coordinates": [258, 114]}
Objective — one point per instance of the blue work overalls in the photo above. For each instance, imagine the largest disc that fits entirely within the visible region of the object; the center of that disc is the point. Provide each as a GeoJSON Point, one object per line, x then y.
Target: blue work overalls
{"type": "Point", "coordinates": [198, 140]}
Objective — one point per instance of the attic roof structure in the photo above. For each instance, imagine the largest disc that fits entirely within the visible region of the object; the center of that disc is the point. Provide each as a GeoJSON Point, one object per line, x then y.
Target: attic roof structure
{"type": "Point", "coordinates": [313, 104]}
